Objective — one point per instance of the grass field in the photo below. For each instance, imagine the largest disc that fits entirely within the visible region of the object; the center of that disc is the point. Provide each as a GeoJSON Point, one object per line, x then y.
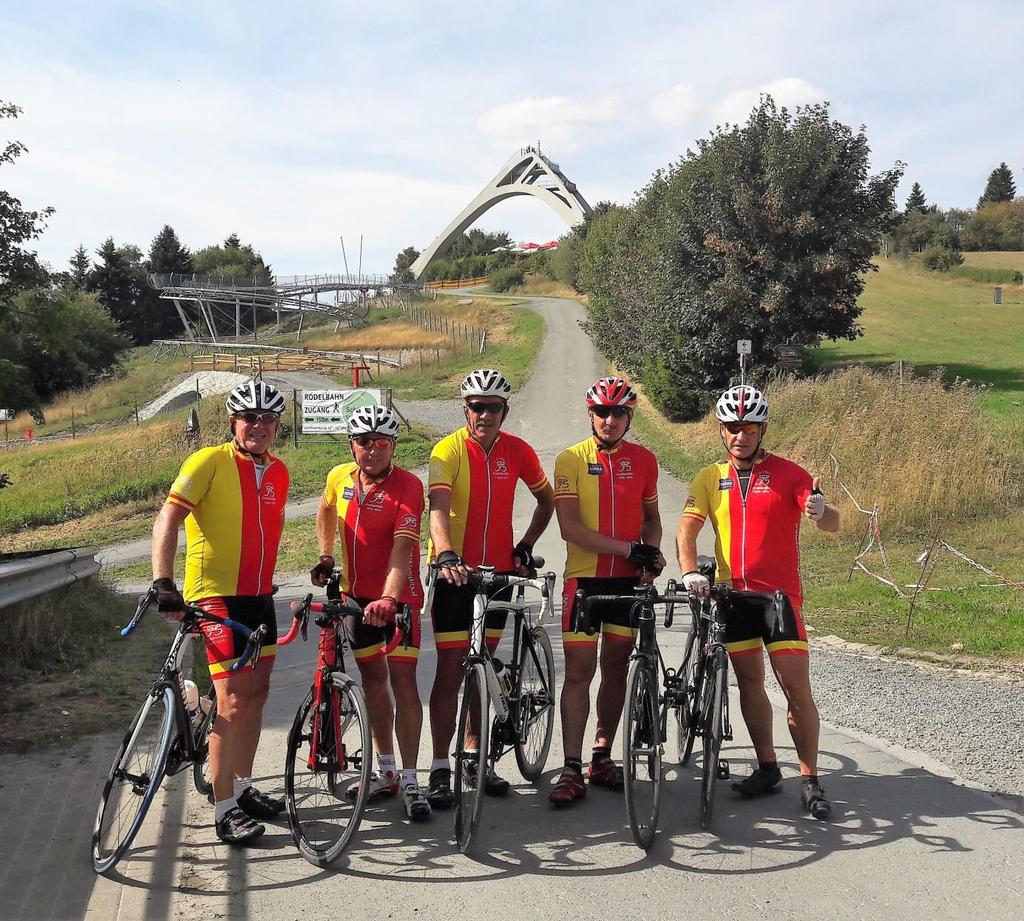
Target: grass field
{"type": "Point", "coordinates": [996, 260]}
{"type": "Point", "coordinates": [929, 320]}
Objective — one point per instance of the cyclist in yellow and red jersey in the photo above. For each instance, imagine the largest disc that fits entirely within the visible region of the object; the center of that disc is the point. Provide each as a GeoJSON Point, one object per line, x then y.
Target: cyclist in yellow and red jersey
{"type": "Point", "coordinates": [473, 477]}
{"type": "Point", "coordinates": [232, 500]}
{"type": "Point", "coordinates": [755, 502]}
{"type": "Point", "coordinates": [376, 509]}
{"type": "Point", "coordinates": [606, 496]}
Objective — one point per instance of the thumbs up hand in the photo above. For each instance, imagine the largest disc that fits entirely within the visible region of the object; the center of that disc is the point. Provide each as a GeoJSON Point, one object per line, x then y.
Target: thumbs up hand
{"type": "Point", "coordinates": [814, 507]}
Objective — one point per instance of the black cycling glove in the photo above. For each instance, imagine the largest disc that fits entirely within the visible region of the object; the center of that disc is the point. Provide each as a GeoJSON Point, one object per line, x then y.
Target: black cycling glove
{"type": "Point", "coordinates": [322, 571]}
{"type": "Point", "coordinates": [645, 557]}
{"type": "Point", "coordinates": [448, 558]}
{"type": "Point", "coordinates": [168, 598]}
{"type": "Point", "coordinates": [524, 553]}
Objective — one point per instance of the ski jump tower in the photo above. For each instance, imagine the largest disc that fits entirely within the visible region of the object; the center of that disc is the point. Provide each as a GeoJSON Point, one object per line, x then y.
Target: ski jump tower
{"type": "Point", "coordinates": [529, 172]}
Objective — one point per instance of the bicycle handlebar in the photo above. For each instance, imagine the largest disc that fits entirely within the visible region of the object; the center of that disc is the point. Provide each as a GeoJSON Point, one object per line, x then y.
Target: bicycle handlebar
{"type": "Point", "coordinates": [253, 638]}
{"type": "Point", "coordinates": [643, 594]}
{"type": "Point", "coordinates": [774, 602]}
{"type": "Point", "coordinates": [336, 610]}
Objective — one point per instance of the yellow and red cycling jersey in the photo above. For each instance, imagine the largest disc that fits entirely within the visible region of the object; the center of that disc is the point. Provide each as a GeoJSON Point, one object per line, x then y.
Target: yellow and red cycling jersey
{"type": "Point", "coordinates": [369, 522]}
{"type": "Point", "coordinates": [757, 539]}
{"type": "Point", "coordinates": [235, 524]}
{"type": "Point", "coordinates": [612, 488]}
{"type": "Point", "coordinates": [483, 487]}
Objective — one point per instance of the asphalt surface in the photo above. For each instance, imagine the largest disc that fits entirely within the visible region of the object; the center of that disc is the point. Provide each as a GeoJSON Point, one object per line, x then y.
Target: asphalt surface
{"type": "Point", "coordinates": [906, 841]}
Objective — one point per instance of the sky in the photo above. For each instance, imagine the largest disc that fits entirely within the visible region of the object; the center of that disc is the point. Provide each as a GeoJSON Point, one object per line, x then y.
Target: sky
{"type": "Point", "coordinates": [294, 125]}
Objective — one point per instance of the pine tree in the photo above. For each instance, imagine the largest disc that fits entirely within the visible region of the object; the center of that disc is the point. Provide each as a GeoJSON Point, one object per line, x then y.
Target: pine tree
{"type": "Point", "coordinates": [916, 202]}
{"type": "Point", "coordinates": [80, 269]}
{"type": "Point", "coordinates": [118, 281]}
{"type": "Point", "coordinates": [1000, 186]}
{"type": "Point", "coordinates": [167, 256]}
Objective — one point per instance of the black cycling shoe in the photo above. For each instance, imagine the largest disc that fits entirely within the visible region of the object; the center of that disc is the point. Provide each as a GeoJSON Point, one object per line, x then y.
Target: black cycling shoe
{"type": "Point", "coordinates": [257, 805]}
{"type": "Point", "coordinates": [493, 784]}
{"type": "Point", "coordinates": [237, 828]}
{"type": "Point", "coordinates": [759, 783]}
{"type": "Point", "coordinates": [813, 799]}
{"type": "Point", "coordinates": [439, 789]}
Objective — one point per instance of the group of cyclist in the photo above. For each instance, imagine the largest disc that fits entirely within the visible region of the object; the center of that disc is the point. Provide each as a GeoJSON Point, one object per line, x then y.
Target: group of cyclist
{"type": "Point", "coordinates": [605, 493]}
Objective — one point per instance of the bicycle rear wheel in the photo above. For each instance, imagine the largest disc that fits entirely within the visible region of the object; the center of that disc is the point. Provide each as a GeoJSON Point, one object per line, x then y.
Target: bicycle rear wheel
{"type": "Point", "coordinates": [692, 670]}
{"type": "Point", "coordinates": [325, 790]}
{"type": "Point", "coordinates": [133, 780]}
{"type": "Point", "coordinates": [534, 692]}
{"type": "Point", "coordinates": [201, 766]}
{"type": "Point", "coordinates": [471, 766]}
{"type": "Point", "coordinates": [713, 730]}
{"type": "Point", "coordinates": [642, 754]}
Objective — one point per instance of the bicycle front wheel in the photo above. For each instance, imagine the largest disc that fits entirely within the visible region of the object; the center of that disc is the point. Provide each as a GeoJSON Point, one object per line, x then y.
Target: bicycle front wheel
{"type": "Point", "coordinates": [713, 725]}
{"type": "Point", "coordinates": [327, 770]}
{"type": "Point", "coordinates": [642, 755]}
{"type": "Point", "coordinates": [201, 766]}
{"type": "Point", "coordinates": [534, 693]}
{"type": "Point", "coordinates": [133, 780]}
{"type": "Point", "coordinates": [471, 764]}
{"type": "Point", "coordinates": [692, 672]}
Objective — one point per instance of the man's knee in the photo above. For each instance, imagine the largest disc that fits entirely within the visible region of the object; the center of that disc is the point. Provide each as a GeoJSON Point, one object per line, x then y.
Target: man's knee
{"type": "Point", "coordinates": [580, 668]}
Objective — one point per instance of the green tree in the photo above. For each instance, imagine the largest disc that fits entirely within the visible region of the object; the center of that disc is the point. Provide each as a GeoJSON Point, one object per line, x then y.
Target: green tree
{"type": "Point", "coordinates": [232, 263]}
{"type": "Point", "coordinates": [119, 282]}
{"type": "Point", "coordinates": [476, 242]}
{"type": "Point", "coordinates": [1000, 186]}
{"type": "Point", "coordinates": [402, 262]}
{"type": "Point", "coordinates": [19, 267]}
{"type": "Point", "coordinates": [80, 269]}
{"type": "Point", "coordinates": [916, 203]}
{"type": "Point", "coordinates": [54, 339]}
{"type": "Point", "coordinates": [167, 256]}
{"type": "Point", "coordinates": [764, 232]}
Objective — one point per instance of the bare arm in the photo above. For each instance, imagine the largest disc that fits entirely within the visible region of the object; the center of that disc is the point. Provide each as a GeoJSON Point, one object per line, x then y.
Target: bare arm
{"type": "Point", "coordinates": [574, 531]}
{"type": "Point", "coordinates": [829, 521]}
{"type": "Point", "coordinates": [165, 539]}
{"type": "Point", "coordinates": [440, 534]}
{"type": "Point", "coordinates": [686, 542]}
{"type": "Point", "coordinates": [326, 527]}
{"type": "Point", "coordinates": [398, 572]}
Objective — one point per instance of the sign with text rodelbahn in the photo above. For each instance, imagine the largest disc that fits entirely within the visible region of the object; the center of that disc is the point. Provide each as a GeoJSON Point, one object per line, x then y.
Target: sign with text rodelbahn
{"type": "Point", "coordinates": [327, 411]}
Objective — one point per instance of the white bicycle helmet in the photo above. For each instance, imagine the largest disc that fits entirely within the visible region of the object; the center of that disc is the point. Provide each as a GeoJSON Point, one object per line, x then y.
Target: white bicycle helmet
{"type": "Point", "coordinates": [485, 382]}
{"type": "Point", "coordinates": [742, 404]}
{"type": "Point", "coordinates": [373, 420]}
{"type": "Point", "coordinates": [611, 391]}
{"type": "Point", "coordinates": [255, 396]}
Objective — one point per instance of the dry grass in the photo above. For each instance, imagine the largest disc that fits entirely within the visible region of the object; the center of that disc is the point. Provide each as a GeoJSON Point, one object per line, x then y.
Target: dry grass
{"type": "Point", "coordinates": [922, 451]}
{"type": "Point", "coordinates": [996, 260]}
{"type": "Point", "coordinates": [546, 287]}
{"type": "Point", "coordinates": [398, 334]}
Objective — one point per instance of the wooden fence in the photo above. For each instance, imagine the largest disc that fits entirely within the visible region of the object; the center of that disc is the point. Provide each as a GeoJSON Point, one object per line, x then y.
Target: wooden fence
{"type": "Point", "coordinates": [457, 283]}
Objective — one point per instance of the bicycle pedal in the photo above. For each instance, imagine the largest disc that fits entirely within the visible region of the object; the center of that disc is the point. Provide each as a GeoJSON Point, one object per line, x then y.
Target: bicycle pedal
{"type": "Point", "coordinates": [723, 769]}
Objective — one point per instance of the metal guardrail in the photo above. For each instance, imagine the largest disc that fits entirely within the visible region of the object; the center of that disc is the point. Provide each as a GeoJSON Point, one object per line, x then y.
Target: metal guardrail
{"type": "Point", "coordinates": [24, 576]}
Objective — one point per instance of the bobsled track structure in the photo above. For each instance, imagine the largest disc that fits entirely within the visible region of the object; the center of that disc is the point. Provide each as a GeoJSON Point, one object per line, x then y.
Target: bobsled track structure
{"type": "Point", "coordinates": [217, 310]}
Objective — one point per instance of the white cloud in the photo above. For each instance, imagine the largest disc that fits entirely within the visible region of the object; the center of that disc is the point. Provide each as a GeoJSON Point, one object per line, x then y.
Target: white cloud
{"type": "Point", "coordinates": [553, 120]}
{"type": "Point", "coordinates": [787, 91]}
{"type": "Point", "coordinates": [677, 106]}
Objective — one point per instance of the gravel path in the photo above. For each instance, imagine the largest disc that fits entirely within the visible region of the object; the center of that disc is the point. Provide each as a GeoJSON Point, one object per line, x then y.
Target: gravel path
{"type": "Point", "coordinates": [972, 725]}
{"type": "Point", "coordinates": [441, 415]}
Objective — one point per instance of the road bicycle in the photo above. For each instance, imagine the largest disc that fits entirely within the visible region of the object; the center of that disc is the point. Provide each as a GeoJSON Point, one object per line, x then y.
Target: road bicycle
{"type": "Point", "coordinates": [704, 709]}
{"type": "Point", "coordinates": [163, 739]}
{"type": "Point", "coordinates": [329, 755]}
{"type": "Point", "coordinates": [652, 689]}
{"type": "Point", "coordinates": [521, 694]}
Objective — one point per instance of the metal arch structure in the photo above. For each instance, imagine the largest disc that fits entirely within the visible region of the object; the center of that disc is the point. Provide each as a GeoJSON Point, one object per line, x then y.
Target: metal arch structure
{"type": "Point", "coordinates": [529, 172]}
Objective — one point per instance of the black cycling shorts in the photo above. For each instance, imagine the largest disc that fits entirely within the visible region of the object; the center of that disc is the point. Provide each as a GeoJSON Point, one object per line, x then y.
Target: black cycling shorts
{"type": "Point", "coordinates": [615, 618]}
{"type": "Point", "coordinates": [224, 646]}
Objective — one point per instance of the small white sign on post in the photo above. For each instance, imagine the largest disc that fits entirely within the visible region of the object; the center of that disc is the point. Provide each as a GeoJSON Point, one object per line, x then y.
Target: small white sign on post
{"type": "Point", "coordinates": [743, 346]}
{"type": "Point", "coordinates": [6, 415]}
{"type": "Point", "coordinates": [327, 411]}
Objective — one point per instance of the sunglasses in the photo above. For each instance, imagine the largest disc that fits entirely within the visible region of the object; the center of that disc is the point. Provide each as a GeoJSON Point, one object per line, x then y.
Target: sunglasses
{"type": "Point", "coordinates": [603, 412]}
{"type": "Point", "coordinates": [749, 428]}
{"type": "Point", "coordinates": [371, 441]}
{"type": "Point", "coordinates": [481, 408]}
{"type": "Point", "coordinates": [253, 418]}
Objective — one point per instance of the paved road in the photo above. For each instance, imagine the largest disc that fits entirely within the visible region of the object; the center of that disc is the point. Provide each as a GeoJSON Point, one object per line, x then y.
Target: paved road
{"type": "Point", "coordinates": [905, 842]}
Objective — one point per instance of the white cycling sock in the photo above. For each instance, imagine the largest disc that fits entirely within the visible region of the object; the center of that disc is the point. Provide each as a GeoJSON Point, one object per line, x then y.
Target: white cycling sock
{"type": "Point", "coordinates": [386, 766]}
{"type": "Point", "coordinates": [222, 807]}
{"type": "Point", "coordinates": [241, 785]}
{"type": "Point", "coordinates": [409, 777]}
{"type": "Point", "coordinates": [440, 764]}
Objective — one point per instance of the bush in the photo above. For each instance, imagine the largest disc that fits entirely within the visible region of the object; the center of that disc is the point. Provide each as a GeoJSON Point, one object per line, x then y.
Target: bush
{"type": "Point", "coordinates": [668, 391]}
{"type": "Point", "coordinates": [940, 259]}
{"type": "Point", "coordinates": [506, 279]}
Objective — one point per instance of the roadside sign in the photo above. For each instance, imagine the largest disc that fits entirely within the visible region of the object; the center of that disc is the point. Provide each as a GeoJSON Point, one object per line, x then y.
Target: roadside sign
{"type": "Point", "coordinates": [6, 415]}
{"type": "Point", "coordinates": [743, 346]}
{"type": "Point", "coordinates": [327, 411]}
